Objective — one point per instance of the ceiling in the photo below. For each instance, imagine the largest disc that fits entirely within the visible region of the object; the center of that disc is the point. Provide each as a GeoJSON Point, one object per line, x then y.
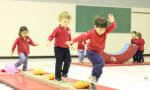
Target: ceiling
{"type": "Point", "coordinates": [114, 3]}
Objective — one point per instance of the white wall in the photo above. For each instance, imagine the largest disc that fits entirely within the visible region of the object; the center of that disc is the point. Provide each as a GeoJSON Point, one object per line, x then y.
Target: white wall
{"type": "Point", "coordinates": [141, 23]}
{"type": "Point", "coordinates": [41, 18]}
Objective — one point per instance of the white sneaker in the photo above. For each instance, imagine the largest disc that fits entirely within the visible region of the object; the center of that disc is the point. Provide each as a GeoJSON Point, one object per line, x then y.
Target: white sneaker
{"type": "Point", "coordinates": [93, 79]}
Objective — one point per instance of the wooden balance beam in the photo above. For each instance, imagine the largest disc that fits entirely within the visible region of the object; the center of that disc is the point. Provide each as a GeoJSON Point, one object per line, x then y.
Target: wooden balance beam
{"type": "Point", "coordinates": [64, 85]}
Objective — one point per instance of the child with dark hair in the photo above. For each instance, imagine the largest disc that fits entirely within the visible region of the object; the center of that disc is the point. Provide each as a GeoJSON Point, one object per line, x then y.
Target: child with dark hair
{"type": "Point", "coordinates": [140, 43]}
{"type": "Point", "coordinates": [133, 42]}
{"type": "Point", "coordinates": [96, 45]}
{"type": "Point", "coordinates": [22, 43]}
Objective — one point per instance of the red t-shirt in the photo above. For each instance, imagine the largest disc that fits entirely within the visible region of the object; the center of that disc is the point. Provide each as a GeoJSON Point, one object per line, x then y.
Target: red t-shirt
{"type": "Point", "coordinates": [96, 42]}
{"type": "Point", "coordinates": [81, 46]}
{"type": "Point", "coordinates": [133, 41]}
{"type": "Point", "coordinates": [23, 45]}
{"type": "Point", "coordinates": [61, 36]}
{"type": "Point", "coordinates": [140, 42]}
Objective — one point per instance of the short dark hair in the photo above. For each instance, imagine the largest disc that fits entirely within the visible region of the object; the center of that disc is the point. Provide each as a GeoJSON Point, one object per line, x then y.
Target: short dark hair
{"type": "Point", "coordinates": [134, 32]}
{"type": "Point", "coordinates": [139, 35]}
{"type": "Point", "coordinates": [22, 28]}
{"type": "Point", "coordinates": [100, 22]}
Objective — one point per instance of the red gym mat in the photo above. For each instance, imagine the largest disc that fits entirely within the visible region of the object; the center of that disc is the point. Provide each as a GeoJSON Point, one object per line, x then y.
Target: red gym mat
{"type": "Point", "coordinates": [22, 83]}
{"type": "Point", "coordinates": [88, 64]}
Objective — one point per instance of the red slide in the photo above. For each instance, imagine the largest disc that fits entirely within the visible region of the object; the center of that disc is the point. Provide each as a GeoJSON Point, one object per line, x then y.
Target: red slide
{"type": "Point", "coordinates": [120, 57]}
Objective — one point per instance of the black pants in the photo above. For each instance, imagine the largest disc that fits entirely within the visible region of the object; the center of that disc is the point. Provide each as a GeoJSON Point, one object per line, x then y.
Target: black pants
{"type": "Point", "coordinates": [140, 56]}
{"type": "Point", "coordinates": [135, 57]}
{"type": "Point", "coordinates": [63, 61]}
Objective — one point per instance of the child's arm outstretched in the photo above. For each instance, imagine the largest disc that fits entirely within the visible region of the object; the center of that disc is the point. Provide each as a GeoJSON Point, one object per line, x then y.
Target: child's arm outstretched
{"type": "Point", "coordinates": [82, 37]}
{"type": "Point", "coordinates": [32, 43]}
{"type": "Point", "coordinates": [14, 46]}
{"type": "Point", "coordinates": [50, 38]}
{"type": "Point", "coordinates": [111, 27]}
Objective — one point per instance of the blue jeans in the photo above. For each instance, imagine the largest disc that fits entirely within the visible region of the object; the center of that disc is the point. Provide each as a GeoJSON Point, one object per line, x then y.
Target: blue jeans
{"type": "Point", "coordinates": [23, 60]}
{"type": "Point", "coordinates": [81, 55]}
{"type": "Point", "coordinates": [98, 63]}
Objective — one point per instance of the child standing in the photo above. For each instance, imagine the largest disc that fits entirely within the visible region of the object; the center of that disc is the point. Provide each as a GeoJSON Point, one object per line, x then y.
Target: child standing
{"type": "Point", "coordinates": [140, 43]}
{"type": "Point", "coordinates": [133, 42]}
{"type": "Point", "coordinates": [96, 45]}
{"type": "Point", "coordinates": [22, 43]}
{"type": "Point", "coordinates": [81, 48]}
{"type": "Point", "coordinates": [62, 53]}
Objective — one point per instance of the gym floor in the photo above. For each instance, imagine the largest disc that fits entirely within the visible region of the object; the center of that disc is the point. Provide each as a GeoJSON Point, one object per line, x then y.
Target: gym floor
{"type": "Point", "coordinates": [118, 77]}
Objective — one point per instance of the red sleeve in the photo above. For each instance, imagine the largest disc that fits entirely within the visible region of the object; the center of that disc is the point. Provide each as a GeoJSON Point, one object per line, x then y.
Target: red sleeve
{"type": "Point", "coordinates": [50, 38]}
{"type": "Point", "coordinates": [70, 36]}
{"type": "Point", "coordinates": [84, 42]}
{"type": "Point", "coordinates": [31, 42]}
{"type": "Point", "coordinates": [131, 41]}
{"type": "Point", "coordinates": [111, 27]}
{"type": "Point", "coordinates": [138, 42]}
{"type": "Point", "coordinates": [82, 37]}
{"type": "Point", "coordinates": [15, 44]}
{"type": "Point", "coordinates": [143, 41]}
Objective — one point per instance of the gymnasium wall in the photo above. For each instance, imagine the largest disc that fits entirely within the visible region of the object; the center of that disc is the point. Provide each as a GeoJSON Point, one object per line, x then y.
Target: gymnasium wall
{"type": "Point", "coordinates": [41, 18]}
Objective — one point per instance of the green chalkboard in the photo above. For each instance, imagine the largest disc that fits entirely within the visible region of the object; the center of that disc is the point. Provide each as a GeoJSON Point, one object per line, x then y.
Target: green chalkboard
{"type": "Point", "coordinates": [85, 16]}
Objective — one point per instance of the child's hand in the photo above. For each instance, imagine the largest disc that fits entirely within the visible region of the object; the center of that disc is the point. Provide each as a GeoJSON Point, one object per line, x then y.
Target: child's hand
{"type": "Point", "coordinates": [83, 43]}
{"type": "Point", "coordinates": [12, 53]}
{"type": "Point", "coordinates": [72, 47]}
{"type": "Point", "coordinates": [69, 43]}
{"type": "Point", "coordinates": [47, 43]}
{"type": "Point", "coordinates": [36, 44]}
{"type": "Point", "coordinates": [111, 18]}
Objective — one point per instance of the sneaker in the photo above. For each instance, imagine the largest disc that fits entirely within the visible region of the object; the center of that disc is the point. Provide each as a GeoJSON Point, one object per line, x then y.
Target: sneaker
{"type": "Point", "coordinates": [58, 79]}
{"type": "Point", "coordinates": [142, 61]}
{"type": "Point", "coordinates": [65, 76]}
{"type": "Point", "coordinates": [93, 86]}
{"type": "Point", "coordinates": [93, 79]}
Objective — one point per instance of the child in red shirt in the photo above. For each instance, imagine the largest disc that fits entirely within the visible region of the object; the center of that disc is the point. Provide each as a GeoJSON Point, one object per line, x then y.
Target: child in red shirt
{"type": "Point", "coordinates": [140, 43]}
{"type": "Point", "coordinates": [61, 34]}
{"type": "Point", "coordinates": [133, 42]}
{"type": "Point", "coordinates": [22, 43]}
{"type": "Point", "coordinates": [96, 45]}
{"type": "Point", "coordinates": [81, 48]}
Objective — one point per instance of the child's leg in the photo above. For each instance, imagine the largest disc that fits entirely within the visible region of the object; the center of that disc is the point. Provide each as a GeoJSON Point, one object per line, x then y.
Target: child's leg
{"type": "Point", "coordinates": [98, 63]}
{"type": "Point", "coordinates": [59, 54]}
{"type": "Point", "coordinates": [22, 59]}
{"type": "Point", "coordinates": [25, 63]}
{"type": "Point", "coordinates": [67, 62]}
{"type": "Point", "coordinates": [81, 55]}
{"type": "Point", "coordinates": [135, 57]}
{"type": "Point", "coordinates": [141, 58]}
{"type": "Point", "coordinates": [138, 56]}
